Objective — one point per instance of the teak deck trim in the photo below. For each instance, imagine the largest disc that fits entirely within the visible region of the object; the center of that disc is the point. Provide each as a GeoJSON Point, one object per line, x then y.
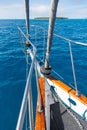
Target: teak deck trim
{"type": "Point", "coordinates": [40, 117]}
{"type": "Point", "coordinates": [69, 90]}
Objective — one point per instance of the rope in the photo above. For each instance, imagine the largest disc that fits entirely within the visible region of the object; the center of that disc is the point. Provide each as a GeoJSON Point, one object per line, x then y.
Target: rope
{"type": "Point", "coordinates": [58, 74]}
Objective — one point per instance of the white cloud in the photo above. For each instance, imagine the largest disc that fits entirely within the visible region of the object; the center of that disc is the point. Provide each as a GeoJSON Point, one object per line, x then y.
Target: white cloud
{"type": "Point", "coordinates": [12, 11]}
{"type": "Point", "coordinates": [39, 10]}
{"type": "Point", "coordinates": [72, 9]}
{"type": "Point", "coordinates": [74, 12]}
{"type": "Point", "coordinates": [18, 11]}
{"type": "Point", "coordinates": [81, 13]}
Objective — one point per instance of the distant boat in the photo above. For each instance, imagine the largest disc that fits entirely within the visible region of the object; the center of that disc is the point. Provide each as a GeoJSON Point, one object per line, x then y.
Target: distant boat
{"type": "Point", "coordinates": [59, 107]}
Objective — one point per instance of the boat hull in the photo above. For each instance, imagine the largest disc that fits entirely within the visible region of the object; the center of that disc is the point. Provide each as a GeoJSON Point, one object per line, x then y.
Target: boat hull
{"type": "Point", "coordinates": [68, 96]}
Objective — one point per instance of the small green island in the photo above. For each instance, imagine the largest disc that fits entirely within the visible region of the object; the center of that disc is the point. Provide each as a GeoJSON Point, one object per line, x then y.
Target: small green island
{"type": "Point", "coordinates": [46, 18]}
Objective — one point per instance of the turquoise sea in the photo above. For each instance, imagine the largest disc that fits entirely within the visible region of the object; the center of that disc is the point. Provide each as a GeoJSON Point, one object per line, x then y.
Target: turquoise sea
{"type": "Point", "coordinates": [13, 63]}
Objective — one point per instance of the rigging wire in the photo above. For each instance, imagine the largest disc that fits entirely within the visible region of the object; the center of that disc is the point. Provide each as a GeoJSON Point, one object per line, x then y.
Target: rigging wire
{"type": "Point", "coordinates": [43, 46]}
{"type": "Point", "coordinates": [35, 35]}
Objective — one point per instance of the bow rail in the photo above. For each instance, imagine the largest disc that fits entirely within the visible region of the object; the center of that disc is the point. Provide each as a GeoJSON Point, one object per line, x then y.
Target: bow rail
{"type": "Point", "coordinates": [28, 86]}
{"type": "Point", "coordinates": [27, 91]}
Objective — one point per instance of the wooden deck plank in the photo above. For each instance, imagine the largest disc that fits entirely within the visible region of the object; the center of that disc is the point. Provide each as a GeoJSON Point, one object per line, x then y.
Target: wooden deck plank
{"type": "Point", "coordinates": [40, 122]}
{"type": "Point", "coordinates": [40, 118]}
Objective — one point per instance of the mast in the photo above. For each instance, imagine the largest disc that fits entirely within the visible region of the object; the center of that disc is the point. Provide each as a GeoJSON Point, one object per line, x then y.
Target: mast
{"type": "Point", "coordinates": [27, 16]}
{"type": "Point", "coordinates": [52, 18]}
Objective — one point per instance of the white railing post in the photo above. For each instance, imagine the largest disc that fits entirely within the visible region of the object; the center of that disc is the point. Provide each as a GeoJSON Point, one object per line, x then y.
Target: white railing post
{"type": "Point", "coordinates": [73, 69]}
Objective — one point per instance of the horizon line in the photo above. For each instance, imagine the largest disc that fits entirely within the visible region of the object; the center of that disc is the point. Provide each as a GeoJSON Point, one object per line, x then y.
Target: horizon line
{"type": "Point", "coordinates": [36, 18]}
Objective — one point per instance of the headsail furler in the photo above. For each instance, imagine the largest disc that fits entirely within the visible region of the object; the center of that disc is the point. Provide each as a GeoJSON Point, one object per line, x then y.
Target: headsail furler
{"type": "Point", "coordinates": [52, 18]}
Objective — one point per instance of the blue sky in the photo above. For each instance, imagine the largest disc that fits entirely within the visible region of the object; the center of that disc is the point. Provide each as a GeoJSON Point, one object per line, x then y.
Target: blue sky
{"type": "Point", "coordinates": [13, 9]}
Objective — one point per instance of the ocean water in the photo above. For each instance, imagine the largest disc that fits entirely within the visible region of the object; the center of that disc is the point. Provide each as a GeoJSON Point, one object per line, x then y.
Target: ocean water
{"type": "Point", "coordinates": [13, 63]}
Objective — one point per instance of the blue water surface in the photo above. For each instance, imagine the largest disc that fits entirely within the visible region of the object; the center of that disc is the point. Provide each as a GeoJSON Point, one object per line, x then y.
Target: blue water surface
{"type": "Point", "coordinates": [13, 63]}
